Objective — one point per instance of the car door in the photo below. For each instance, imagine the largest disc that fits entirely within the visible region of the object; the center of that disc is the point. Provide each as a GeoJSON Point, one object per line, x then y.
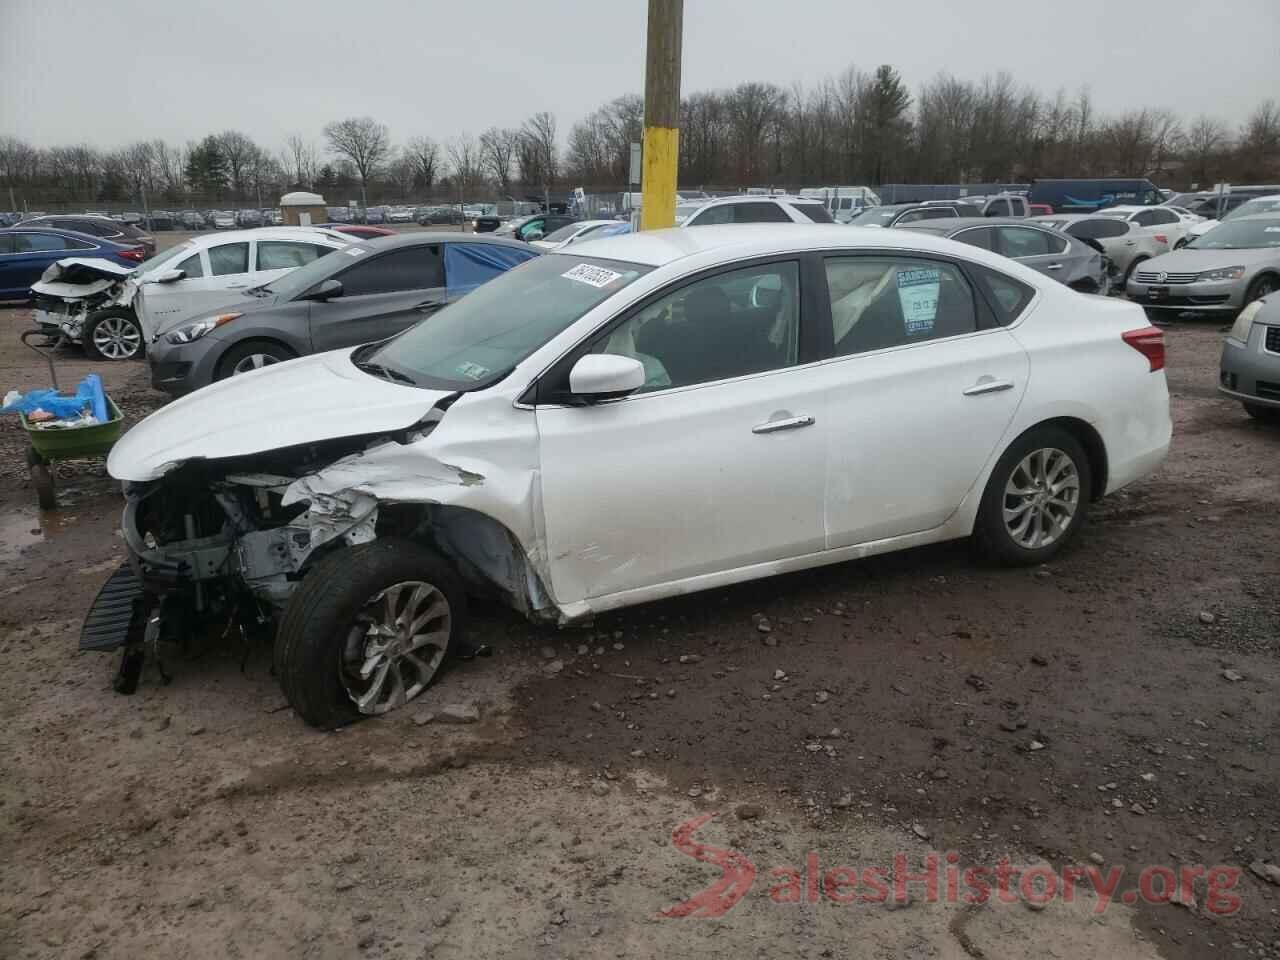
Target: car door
{"type": "Point", "coordinates": [1166, 223]}
{"type": "Point", "coordinates": [8, 285]}
{"type": "Point", "coordinates": [223, 274]}
{"type": "Point", "coordinates": [382, 294]}
{"type": "Point", "coordinates": [716, 464]}
{"type": "Point", "coordinates": [32, 254]}
{"type": "Point", "coordinates": [921, 390]}
{"type": "Point", "coordinates": [1037, 249]}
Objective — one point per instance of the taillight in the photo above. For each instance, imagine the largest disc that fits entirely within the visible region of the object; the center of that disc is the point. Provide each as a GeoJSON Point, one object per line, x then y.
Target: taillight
{"type": "Point", "coordinates": [1148, 341]}
{"type": "Point", "coordinates": [1161, 238]}
{"type": "Point", "coordinates": [136, 254]}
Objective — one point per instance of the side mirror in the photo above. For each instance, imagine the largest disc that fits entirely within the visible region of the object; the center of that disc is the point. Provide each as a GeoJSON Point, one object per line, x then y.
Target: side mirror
{"type": "Point", "coordinates": [325, 290]}
{"type": "Point", "coordinates": [530, 235]}
{"type": "Point", "coordinates": [170, 276]}
{"type": "Point", "coordinates": [605, 376]}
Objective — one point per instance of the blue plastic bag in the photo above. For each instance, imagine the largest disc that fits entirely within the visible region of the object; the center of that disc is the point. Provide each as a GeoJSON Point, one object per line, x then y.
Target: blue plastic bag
{"type": "Point", "coordinates": [89, 395]}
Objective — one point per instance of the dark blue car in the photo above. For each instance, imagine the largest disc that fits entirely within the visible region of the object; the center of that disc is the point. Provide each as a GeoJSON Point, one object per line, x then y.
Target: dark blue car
{"type": "Point", "coordinates": [26, 252]}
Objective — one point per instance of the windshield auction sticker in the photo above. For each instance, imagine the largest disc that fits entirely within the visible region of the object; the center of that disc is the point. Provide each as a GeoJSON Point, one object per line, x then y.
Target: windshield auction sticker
{"type": "Point", "coordinates": [591, 275]}
{"type": "Point", "coordinates": [918, 294]}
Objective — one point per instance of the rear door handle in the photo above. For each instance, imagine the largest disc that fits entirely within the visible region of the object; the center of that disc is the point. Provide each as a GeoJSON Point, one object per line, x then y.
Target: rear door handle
{"type": "Point", "coordinates": [988, 385]}
{"type": "Point", "coordinates": [788, 423]}
{"type": "Point", "coordinates": [237, 286]}
{"type": "Point", "coordinates": [1054, 266]}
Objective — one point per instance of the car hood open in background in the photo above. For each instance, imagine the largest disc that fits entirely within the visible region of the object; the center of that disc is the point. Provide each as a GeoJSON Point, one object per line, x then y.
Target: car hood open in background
{"type": "Point", "coordinates": [322, 397]}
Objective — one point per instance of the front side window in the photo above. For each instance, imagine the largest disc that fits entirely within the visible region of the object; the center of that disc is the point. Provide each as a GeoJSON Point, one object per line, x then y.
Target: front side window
{"type": "Point", "coordinates": [191, 267]}
{"type": "Point", "coordinates": [930, 213]}
{"type": "Point", "coordinates": [878, 303]}
{"type": "Point", "coordinates": [729, 325]}
{"type": "Point", "coordinates": [478, 339]}
{"type": "Point", "coordinates": [413, 268]}
{"type": "Point", "coordinates": [287, 255]}
{"type": "Point", "coordinates": [998, 208]}
{"type": "Point", "coordinates": [229, 259]}
{"type": "Point", "coordinates": [712, 216]}
{"type": "Point", "coordinates": [40, 242]}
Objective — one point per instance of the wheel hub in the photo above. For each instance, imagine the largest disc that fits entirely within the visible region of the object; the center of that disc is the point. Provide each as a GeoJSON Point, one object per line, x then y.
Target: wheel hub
{"type": "Point", "coordinates": [395, 646]}
{"type": "Point", "coordinates": [1041, 498]}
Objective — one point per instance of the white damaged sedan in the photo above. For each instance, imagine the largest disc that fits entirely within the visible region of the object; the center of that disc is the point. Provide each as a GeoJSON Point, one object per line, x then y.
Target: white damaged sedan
{"type": "Point", "coordinates": [642, 416]}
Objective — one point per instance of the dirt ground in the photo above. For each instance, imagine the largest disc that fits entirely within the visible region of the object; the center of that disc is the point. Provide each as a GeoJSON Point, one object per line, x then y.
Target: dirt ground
{"type": "Point", "coordinates": [1082, 713]}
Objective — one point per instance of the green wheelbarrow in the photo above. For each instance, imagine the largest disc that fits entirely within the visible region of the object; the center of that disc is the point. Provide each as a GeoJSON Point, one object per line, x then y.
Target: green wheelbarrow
{"type": "Point", "coordinates": [72, 443]}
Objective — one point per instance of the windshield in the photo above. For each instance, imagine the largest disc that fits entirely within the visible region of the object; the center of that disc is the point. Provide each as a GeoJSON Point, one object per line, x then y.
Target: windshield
{"type": "Point", "coordinates": [1116, 214]}
{"type": "Point", "coordinates": [161, 258]}
{"type": "Point", "coordinates": [874, 216]}
{"type": "Point", "coordinates": [477, 340]}
{"type": "Point", "coordinates": [1240, 235]}
{"type": "Point", "coordinates": [1261, 205]}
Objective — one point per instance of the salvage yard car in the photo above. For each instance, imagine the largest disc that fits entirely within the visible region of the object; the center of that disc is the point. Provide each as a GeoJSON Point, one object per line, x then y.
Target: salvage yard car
{"type": "Point", "coordinates": [1234, 264]}
{"type": "Point", "coordinates": [638, 417]}
{"type": "Point", "coordinates": [1250, 366]}
{"type": "Point", "coordinates": [116, 311]}
{"type": "Point", "coordinates": [26, 252]}
{"type": "Point", "coordinates": [372, 291]}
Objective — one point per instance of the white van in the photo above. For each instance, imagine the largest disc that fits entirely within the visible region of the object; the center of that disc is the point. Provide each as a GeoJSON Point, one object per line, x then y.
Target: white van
{"type": "Point", "coordinates": [844, 203]}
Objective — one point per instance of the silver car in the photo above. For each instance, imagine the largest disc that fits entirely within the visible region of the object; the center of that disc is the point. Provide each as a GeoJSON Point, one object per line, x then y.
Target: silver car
{"type": "Point", "coordinates": [1250, 367]}
{"type": "Point", "coordinates": [1076, 263]}
{"type": "Point", "coordinates": [1232, 265]}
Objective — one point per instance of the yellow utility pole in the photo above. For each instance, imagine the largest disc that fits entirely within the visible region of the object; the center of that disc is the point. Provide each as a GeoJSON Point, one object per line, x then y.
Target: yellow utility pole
{"type": "Point", "coordinates": [661, 159]}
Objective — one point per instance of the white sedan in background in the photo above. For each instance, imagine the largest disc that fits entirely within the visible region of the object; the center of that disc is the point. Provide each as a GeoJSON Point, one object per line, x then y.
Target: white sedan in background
{"type": "Point", "coordinates": [1155, 222]}
{"type": "Point", "coordinates": [635, 418]}
{"type": "Point", "coordinates": [578, 231]}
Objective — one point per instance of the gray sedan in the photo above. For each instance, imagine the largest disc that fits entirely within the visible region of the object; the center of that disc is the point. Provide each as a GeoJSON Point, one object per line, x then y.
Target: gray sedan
{"type": "Point", "coordinates": [1067, 259]}
{"type": "Point", "coordinates": [1250, 367]}
{"type": "Point", "coordinates": [368, 291]}
{"type": "Point", "coordinates": [1234, 264]}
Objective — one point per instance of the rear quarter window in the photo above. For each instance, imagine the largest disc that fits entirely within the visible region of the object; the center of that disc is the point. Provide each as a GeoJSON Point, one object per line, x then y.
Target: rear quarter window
{"type": "Point", "coordinates": [1008, 297]}
{"type": "Point", "coordinates": [815, 212]}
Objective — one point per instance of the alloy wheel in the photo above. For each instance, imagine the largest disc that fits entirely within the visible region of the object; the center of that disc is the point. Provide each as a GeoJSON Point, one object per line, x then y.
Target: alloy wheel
{"type": "Point", "coordinates": [1041, 498]}
{"type": "Point", "coordinates": [255, 361]}
{"type": "Point", "coordinates": [116, 338]}
{"type": "Point", "coordinates": [395, 646]}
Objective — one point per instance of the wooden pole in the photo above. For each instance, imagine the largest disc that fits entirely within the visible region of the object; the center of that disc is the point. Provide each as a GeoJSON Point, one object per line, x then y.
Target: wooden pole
{"type": "Point", "coordinates": [661, 158]}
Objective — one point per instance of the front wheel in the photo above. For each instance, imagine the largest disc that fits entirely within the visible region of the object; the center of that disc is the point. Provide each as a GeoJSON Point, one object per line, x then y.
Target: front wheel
{"type": "Point", "coordinates": [1260, 288]}
{"type": "Point", "coordinates": [1035, 499]}
{"type": "Point", "coordinates": [253, 355]}
{"type": "Point", "coordinates": [1259, 412]}
{"type": "Point", "coordinates": [113, 333]}
{"type": "Point", "coordinates": [367, 630]}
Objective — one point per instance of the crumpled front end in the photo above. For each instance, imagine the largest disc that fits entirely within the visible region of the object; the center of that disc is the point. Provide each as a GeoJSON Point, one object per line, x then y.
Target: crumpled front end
{"type": "Point", "coordinates": [69, 290]}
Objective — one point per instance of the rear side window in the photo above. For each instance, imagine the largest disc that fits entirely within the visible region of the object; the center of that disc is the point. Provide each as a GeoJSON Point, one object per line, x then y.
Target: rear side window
{"type": "Point", "coordinates": [286, 255]}
{"type": "Point", "coordinates": [191, 267]}
{"type": "Point", "coordinates": [1008, 297]}
{"type": "Point", "coordinates": [1018, 242]}
{"type": "Point", "coordinates": [998, 208]}
{"type": "Point", "coordinates": [228, 259]}
{"type": "Point", "coordinates": [759, 213]}
{"type": "Point", "coordinates": [39, 242]}
{"type": "Point", "coordinates": [931, 213]}
{"type": "Point", "coordinates": [815, 212]}
{"type": "Point", "coordinates": [1098, 229]}
{"type": "Point", "coordinates": [878, 303]}
{"type": "Point", "coordinates": [981, 237]}
{"type": "Point", "coordinates": [414, 268]}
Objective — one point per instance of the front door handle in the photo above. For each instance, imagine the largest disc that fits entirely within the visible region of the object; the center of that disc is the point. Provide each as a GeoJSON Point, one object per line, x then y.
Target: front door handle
{"type": "Point", "coordinates": [988, 385]}
{"type": "Point", "coordinates": [1054, 266]}
{"type": "Point", "coordinates": [788, 423]}
{"type": "Point", "coordinates": [237, 286]}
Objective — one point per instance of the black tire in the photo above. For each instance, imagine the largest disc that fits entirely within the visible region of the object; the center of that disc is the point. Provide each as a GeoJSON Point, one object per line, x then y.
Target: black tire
{"type": "Point", "coordinates": [241, 352]}
{"type": "Point", "coordinates": [125, 329]}
{"type": "Point", "coordinates": [991, 536]}
{"type": "Point", "coordinates": [1124, 284]}
{"type": "Point", "coordinates": [309, 644]}
{"type": "Point", "coordinates": [1260, 287]}
{"type": "Point", "coordinates": [1180, 244]}
{"type": "Point", "coordinates": [1261, 413]}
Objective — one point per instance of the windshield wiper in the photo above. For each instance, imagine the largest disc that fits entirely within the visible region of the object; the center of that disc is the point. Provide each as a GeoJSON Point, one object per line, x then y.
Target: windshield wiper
{"type": "Point", "coordinates": [386, 373]}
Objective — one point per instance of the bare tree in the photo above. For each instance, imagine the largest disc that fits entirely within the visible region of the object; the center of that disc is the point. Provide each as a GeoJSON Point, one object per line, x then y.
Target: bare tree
{"type": "Point", "coordinates": [365, 142]}
{"type": "Point", "coordinates": [498, 153]}
{"type": "Point", "coordinates": [466, 164]}
{"type": "Point", "coordinates": [301, 160]}
{"type": "Point", "coordinates": [539, 159]}
{"type": "Point", "coordinates": [1207, 139]}
{"type": "Point", "coordinates": [425, 154]}
{"type": "Point", "coordinates": [238, 152]}
{"type": "Point", "coordinates": [402, 172]}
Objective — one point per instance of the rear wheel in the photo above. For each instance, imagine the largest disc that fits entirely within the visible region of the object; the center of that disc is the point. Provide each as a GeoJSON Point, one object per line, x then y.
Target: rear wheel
{"type": "Point", "coordinates": [367, 631]}
{"type": "Point", "coordinates": [1259, 412]}
{"type": "Point", "coordinates": [253, 355]}
{"type": "Point", "coordinates": [112, 333]}
{"type": "Point", "coordinates": [1035, 499]}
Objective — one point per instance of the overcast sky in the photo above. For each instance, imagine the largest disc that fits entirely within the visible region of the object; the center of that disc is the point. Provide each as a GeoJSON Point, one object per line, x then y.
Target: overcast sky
{"type": "Point", "coordinates": [111, 73]}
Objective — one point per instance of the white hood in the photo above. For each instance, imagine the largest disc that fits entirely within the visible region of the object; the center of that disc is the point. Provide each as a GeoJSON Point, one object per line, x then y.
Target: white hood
{"type": "Point", "coordinates": [321, 397]}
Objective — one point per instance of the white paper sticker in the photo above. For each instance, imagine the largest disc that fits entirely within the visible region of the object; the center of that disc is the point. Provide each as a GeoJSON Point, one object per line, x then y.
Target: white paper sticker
{"type": "Point", "coordinates": [472, 371]}
{"type": "Point", "coordinates": [353, 251]}
{"type": "Point", "coordinates": [918, 295]}
{"type": "Point", "coordinates": [591, 275]}
{"type": "Point", "coordinates": [1271, 229]}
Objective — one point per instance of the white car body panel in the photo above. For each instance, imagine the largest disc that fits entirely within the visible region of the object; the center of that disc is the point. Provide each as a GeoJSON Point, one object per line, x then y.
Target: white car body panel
{"type": "Point", "coordinates": [666, 492]}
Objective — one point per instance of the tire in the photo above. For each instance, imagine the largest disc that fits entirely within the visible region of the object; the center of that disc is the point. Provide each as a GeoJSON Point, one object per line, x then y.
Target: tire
{"type": "Point", "coordinates": [319, 640]}
{"type": "Point", "coordinates": [1261, 413]}
{"type": "Point", "coordinates": [1124, 284]}
{"type": "Point", "coordinates": [1260, 287]}
{"type": "Point", "coordinates": [113, 333]}
{"type": "Point", "coordinates": [252, 355]}
{"type": "Point", "coordinates": [993, 536]}
{"type": "Point", "coordinates": [1180, 244]}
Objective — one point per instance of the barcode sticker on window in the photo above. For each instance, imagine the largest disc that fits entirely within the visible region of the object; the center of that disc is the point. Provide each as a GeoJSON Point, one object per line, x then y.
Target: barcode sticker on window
{"type": "Point", "coordinates": [353, 251]}
{"type": "Point", "coordinates": [918, 295]}
{"type": "Point", "coordinates": [592, 276]}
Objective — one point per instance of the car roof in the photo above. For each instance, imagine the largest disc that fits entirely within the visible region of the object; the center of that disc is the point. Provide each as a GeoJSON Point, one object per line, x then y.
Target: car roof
{"type": "Point", "coordinates": [420, 237]}
{"type": "Point", "coordinates": [656, 248]}
{"type": "Point", "coordinates": [755, 198]}
{"type": "Point", "coordinates": [949, 225]}
{"type": "Point", "coordinates": [96, 241]}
